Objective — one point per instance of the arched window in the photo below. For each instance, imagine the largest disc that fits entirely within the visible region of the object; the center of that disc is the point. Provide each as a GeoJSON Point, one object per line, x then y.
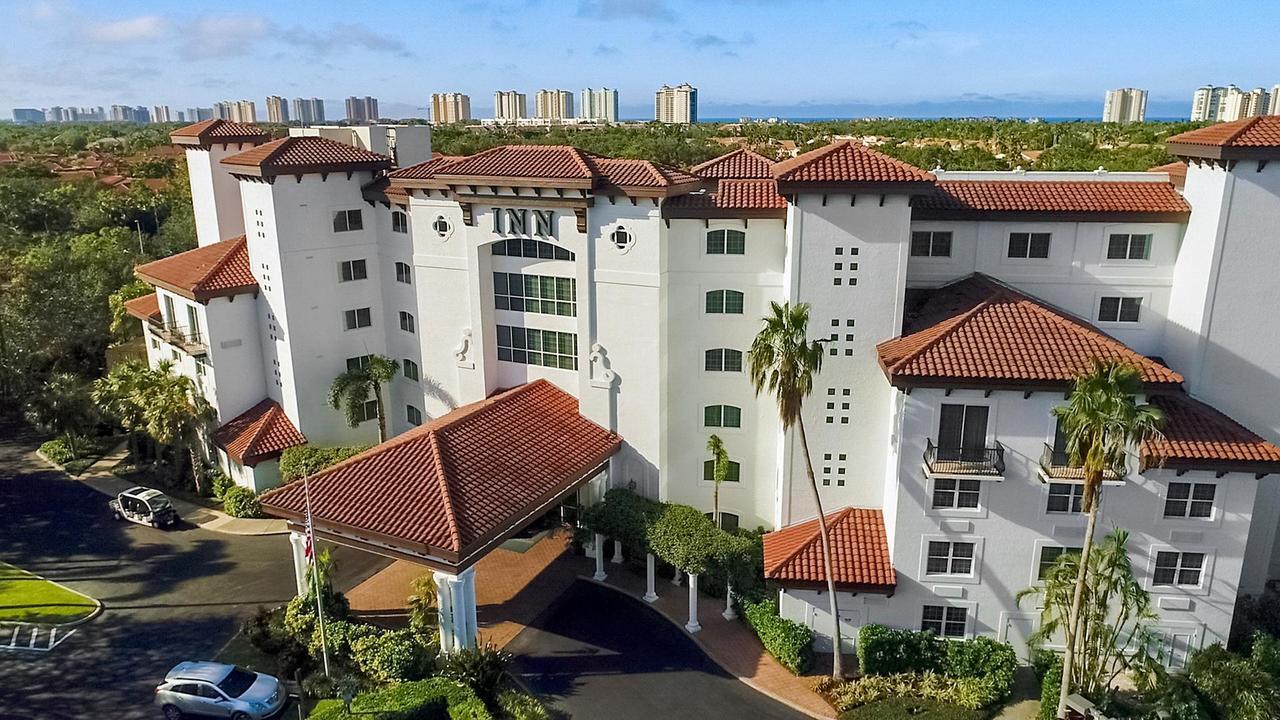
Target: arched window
{"type": "Point", "coordinates": [399, 222]}
{"type": "Point", "coordinates": [729, 416]}
{"type": "Point", "coordinates": [722, 360]}
{"type": "Point", "coordinates": [726, 242]}
{"type": "Point", "coordinates": [413, 415]}
{"type": "Point", "coordinates": [404, 273]}
{"type": "Point", "coordinates": [709, 472]}
{"type": "Point", "coordinates": [724, 302]}
{"type": "Point", "coordinates": [531, 249]}
{"type": "Point", "coordinates": [409, 369]}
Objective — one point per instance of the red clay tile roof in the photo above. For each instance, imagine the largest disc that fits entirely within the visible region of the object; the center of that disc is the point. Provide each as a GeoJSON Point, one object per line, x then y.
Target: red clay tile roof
{"type": "Point", "coordinates": [209, 132]}
{"type": "Point", "coordinates": [1177, 171]}
{"type": "Point", "coordinates": [260, 433]}
{"type": "Point", "coordinates": [848, 162]}
{"type": "Point", "coordinates": [741, 164]}
{"type": "Point", "coordinates": [959, 197]}
{"type": "Point", "coordinates": [463, 479]}
{"type": "Point", "coordinates": [306, 154]}
{"type": "Point", "coordinates": [981, 332]}
{"type": "Point", "coordinates": [425, 170]}
{"type": "Point", "coordinates": [524, 161]}
{"type": "Point", "coordinates": [732, 198]}
{"type": "Point", "coordinates": [1262, 131]}
{"type": "Point", "coordinates": [1197, 435]}
{"type": "Point", "coordinates": [146, 307]}
{"type": "Point", "coordinates": [381, 189]}
{"type": "Point", "coordinates": [639, 173]}
{"type": "Point", "coordinates": [211, 271]}
{"type": "Point", "coordinates": [859, 551]}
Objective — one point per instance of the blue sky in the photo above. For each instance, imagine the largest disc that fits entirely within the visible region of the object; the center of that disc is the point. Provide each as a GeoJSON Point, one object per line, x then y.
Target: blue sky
{"type": "Point", "coordinates": [786, 57]}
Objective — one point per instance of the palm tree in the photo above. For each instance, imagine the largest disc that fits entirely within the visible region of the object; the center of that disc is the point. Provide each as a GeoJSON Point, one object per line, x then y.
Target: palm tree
{"type": "Point", "coordinates": [783, 362]}
{"type": "Point", "coordinates": [1102, 420]}
{"type": "Point", "coordinates": [719, 471]}
{"type": "Point", "coordinates": [119, 395]}
{"type": "Point", "coordinates": [350, 390]}
{"type": "Point", "coordinates": [176, 414]}
{"type": "Point", "coordinates": [63, 406]}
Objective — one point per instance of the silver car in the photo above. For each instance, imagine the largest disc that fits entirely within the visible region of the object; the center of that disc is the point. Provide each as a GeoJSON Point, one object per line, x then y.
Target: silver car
{"type": "Point", "coordinates": [209, 689]}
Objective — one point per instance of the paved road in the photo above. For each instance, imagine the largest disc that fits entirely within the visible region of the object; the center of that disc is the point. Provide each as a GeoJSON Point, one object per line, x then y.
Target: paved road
{"type": "Point", "coordinates": [596, 653]}
{"type": "Point", "coordinates": [168, 595]}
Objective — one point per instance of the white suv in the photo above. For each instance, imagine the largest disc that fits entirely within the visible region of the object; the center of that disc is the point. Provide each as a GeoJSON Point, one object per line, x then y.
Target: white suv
{"type": "Point", "coordinates": [208, 689]}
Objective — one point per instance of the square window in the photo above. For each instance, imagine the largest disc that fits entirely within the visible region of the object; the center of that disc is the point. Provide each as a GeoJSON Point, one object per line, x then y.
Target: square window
{"type": "Point", "coordinates": [1032, 246]}
{"type": "Point", "coordinates": [1049, 557]}
{"type": "Point", "coordinates": [1119, 309]}
{"type": "Point", "coordinates": [1190, 500]}
{"type": "Point", "coordinates": [1178, 569]}
{"type": "Point", "coordinates": [1065, 498]}
{"type": "Point", "coordinates": [350, 270]}
{"type": "Point", "coordinates": [357, 318]}
{"type": "Point", "coordinates": [943, 620]}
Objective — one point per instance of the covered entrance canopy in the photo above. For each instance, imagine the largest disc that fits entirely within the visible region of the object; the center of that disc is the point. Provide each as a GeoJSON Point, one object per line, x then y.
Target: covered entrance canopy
{"type": "Point", "coordinates": [445, 494]}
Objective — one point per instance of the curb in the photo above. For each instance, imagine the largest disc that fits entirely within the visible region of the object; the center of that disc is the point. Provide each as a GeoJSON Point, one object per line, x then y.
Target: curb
{"type": "Point", "coordinates": [97, 604]}
{"type": "Point", "coordinates": [693, 636]}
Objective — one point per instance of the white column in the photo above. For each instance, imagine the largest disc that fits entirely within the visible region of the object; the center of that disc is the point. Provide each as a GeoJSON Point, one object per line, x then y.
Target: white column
{"type": "Point", "coordinates": [693, 626]}
{"type": "Point", "coordinates": [617, 552]}
{"type": "Point", "coordinates": [598, 544]}
{"type": "Point", "coordinates": [728, 613]}
{"type": "Point", "coordinates": [444, 605]}
{"type": "Point", "coordinates": [298, 542]}
{"type": "Point", "coordinates": [649, 595]}
{"type": "Point", "coordinates": [675, 577]}
{"type": "Point", "coordinates": [456, 597]}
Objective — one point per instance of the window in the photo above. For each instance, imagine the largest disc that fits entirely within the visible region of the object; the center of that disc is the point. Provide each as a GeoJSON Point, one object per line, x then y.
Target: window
{"type": "Point", "coordinates": [1049, 556]}
{"type": "Point", "coordinates": [1189, 500]}
{"type": "Point", "coordinates": [1129, 246]}
{"type": "Point", "coordinates": [1119, 309]}
{"type": "Point", "coordinates": [413, 415]}
{"type": "Point", "coordinates": [345, 220]}
{"type": "Point", "coordinates": [725, 302]}
{"type": "Point", "coordinates": [349, 270]}
{"type": "Point", "coordinates": [733, 474]}
{"type": "Point", "coordinates": [536, 294]}
{"type": "Point", "coordinates": [722, 360]}
{"type": "Point", "coordinates": [956, 494]}
{"type": "Point", "coordinates": [729, 416]}
{"type": "Point", "coordinates": [406, 322]}
{"type": "Point", "coordinates": [358, 318]}
{"type": "Point", "coordinates": [399, 222]}
{"type": "Point", "coordinates": [531, 249]}
{"type": "Point", "coordinates": [358, 363]}
{"type": "Point", "coordinates": [943, 620]}
{"type": "Point", "coordinates": [949, 558]}
{"type": "Point", "coordinates": [621, 238]}
{"type": "Point", "coordinates": [728, 522]}
{"type": "Point", "coordinates": [1178, 569]}
{"type": "Point", "coordinates": [1032, 246]}
{"type": "Point", "coordinates": [931, 243]}
{"type": "Point", "coordinates": [528, 346]}
{"type": "Point", "coordinates": [1065, 497]}
{"type": "Point", "coordinates": [441, 226]}
{"type": "Point", "coordinates": [409, 369]}
{"type": "Point", "coordinates": [367, 411]}
{"type": "Point", "coordinates": [962, 432]}
{"type": "Point", "coordinates": [404, 273]}
{"type": "Point", "coordinates": [726, 242]}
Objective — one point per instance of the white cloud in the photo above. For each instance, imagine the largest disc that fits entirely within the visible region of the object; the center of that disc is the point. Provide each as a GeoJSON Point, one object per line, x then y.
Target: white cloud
{"type": "Point", "coordinates": [213, 36]}
{"type": "Point", "coordinates": [143, 27]}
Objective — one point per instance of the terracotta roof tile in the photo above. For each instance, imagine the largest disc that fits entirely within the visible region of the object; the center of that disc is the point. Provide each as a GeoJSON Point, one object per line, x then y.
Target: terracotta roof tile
{"type": "Point", "coordinates": [1198, 435]}
{"type": "Point", "coordinates": [425, 170]}
{"type": "Point", "coordinates": [524, 161]}
{"type": "Point", "coordinates": [205, 272]}
{"type": "Point", "coordinates": [1262, 131]}
{"type": "Point", "coordinates": [848, 162]}
{"type": "Point", "coordinates": [859, 551]}
{"type": "Point", "coordinates": [1177, 171]}
{"type": "Point", "coordinates": [458, 480]}
{"type": "Point", "coordinates": [639, 173]}
{"type": "Point", "coordinates": [741, 164]}
{"type": "Point", "coordinates": [978, 331]}
{"type": "Point", "coordinates": [146, 307]}
{"type": "Point", "coordinates": [730, 197]}
{"type": "Point", "coordinates": [260, 433]}
{"type": "Point", "coordinates": [303, 154]}
{"type": "Point", "coordinates": [207, 132]}
{"type": "Point", "coordinates": [1052, 196]}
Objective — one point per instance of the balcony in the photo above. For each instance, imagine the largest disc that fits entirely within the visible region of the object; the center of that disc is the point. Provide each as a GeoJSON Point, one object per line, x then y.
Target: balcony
{"type": "Point", "coordinates": [969, 462]}
{"type": "Point", "coordinates": [1056, 464]}
{"type": "Point", "coordinates": [192, 343]}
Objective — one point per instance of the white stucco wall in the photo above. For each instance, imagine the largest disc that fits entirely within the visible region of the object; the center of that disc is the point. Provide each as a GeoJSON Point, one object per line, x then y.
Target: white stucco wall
{"type": "Point", "coordinates": [215, 194]}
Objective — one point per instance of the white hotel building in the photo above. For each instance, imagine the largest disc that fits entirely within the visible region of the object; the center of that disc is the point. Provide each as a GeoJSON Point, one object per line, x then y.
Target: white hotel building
{"type": "Point", "coordinates": [955, 308]}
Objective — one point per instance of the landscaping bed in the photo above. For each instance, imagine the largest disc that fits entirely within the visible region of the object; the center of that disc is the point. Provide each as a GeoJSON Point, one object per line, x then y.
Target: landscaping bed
{"type": "Point", "coordinates": [25, 597]}
{"type": "Point", "coordinates": [89, 450]}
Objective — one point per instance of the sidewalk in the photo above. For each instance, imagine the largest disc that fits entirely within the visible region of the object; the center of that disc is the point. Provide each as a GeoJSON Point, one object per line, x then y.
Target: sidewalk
{"type": "Point", "coordinates": [98, 476]}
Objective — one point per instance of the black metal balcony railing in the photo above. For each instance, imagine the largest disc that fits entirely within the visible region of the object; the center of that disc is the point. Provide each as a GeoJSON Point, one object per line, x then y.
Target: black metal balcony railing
{"type": "Point", "coordinates": [964, 461]}
{"type": "Point", "coordinates": [190, 342]}
{"type": "Point", "coordinates": [1057, 464]}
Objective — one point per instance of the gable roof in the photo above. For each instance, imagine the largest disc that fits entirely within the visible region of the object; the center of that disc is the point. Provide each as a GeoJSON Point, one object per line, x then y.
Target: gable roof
{"type": "Point", "coordinates": [216, 270]}
{"type": "Point", "coordinates": [1065, 199]}
{"type": "Point", "coordinates": [730, 199]}
{"type": "Point", "coordinates": [859, 551]}
{"type": "Point", "coordinates": [296, 155]}
{"type": "Point", "coordinates": [260, 433]}
{"type": "Point", "coordinates": [425, 170]}
{"type": "Point", "coordinates": [453, 485]}
{"type": "Point", "coordinates": [847, 164]}
{"type": "Point", "coordinates": [215, 132]}
{"type": "Point", "coordinates": [1197, 436]}
{"type": "Point", "coordinates": [146, 307]}
{"type": "Point", "coordinates": [741, 164]}
{"type": "Point", "coordinates": [979, 332]}
{"type": "Point", "coordinates": [1176, 170]}
{"type": "Point", "coordinates": [1247, 138]}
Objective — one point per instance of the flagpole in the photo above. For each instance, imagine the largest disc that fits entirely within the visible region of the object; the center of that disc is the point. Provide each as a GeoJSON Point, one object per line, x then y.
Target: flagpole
{"type": "Point", "coordinates": [315, 577]}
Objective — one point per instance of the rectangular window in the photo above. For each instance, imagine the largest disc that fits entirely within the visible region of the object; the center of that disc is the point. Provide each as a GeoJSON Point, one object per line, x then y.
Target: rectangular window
{"type": "Point", "coordinates": [931, 243]}
{"type": "Point", "coordinates": [733, 474]}
{"type": "Point", "coordinates": [943, 620]}
{"type": "Point", "coordinates": [404, 273]}
{"type": "Point", "coordinates": [346, 220]}
{"type": "Point", "coordinates": [531, 249]}
{"type": "Point", "coordinates": [1129, 246]}
{"type": "Point", "coordinates": [1178, 569]}
{"type": "Point", "coordinates": [368, 411]}
{"type": "Point", "coordinates": [962, 432]}
{"type": "Point", "coordinates": [1189, 500]}
{"type": "Point", "coordinates": [726, 242]}
{"type": "Point", "coordinates": [949, 558]}
{"type": "Point", "coordinates": [724, 302]}
{"type": "Point", "coordinates": [1031, 246]}
{"type": "Point", "coordinates": [407, 322]}
{"type": "Point", "coordinates": [413, 415]}
{"type": "Point", "coordinates": [358, 363]}
{"type": "Point", "coordinates": [722, 360]}
{"type": "Point", "coordinates": [409, 369]}
{"type": "Point", "coordinates": [535, 294]}
{"type": "Point", "coordinates": [729, 416]}
{"type": "Point", "coordinates": [1049, 555]}
{"type": "Point", "coordinates": [956, 494]}
{"type": "Point", "coordinates": [1065, 497]}
{"type": "Point", "coordinates": [358, 318]}
{"type": "Point", "coordinates": [1119, 309]}
{"type": "Point", "coordinates": [349, 270]}
{"type": "Point", "coordinates": [528, 346]}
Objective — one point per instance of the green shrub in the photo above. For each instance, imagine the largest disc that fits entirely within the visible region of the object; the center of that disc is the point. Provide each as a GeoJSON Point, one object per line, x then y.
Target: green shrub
{"type": "Point", "coordinates": [971, 693]}
{"type": "Point", "coordinates": [431, 699]}
{"type": "Point", "coordinates": [305, 460]}
{"type": "Point", "coordinates": [392, 655]}
{"type": "Point", "coordinates": [239, 501]}
{"type": "Point", "coordinates": [220, 483]}
{"type": "Point", "coordinates": [516, 705]}
{"type": "Point", "coordinates": [908, 708]}
{"type": "Point", "coordinates": [1050, 686]}
{"type": "Point", "coordinates": [482, 668]}
{"type": "Point", "coordinates": [340, 637]}
{"type": "Point", "coordinates": [1177, 699]}
{"type": "Point", "coordinates": [885, 651]}
{"type": "Point", "coordinates": [300, 614]}
{"type": "Point", "coordinates": [1042, 660]}
{"type": "Point", "coordinates": [982, 657]}
{"type": "Point", "coordinates": [1238, 689]}
{"type": "Point", "coordinates": [1265, 654]}
{"type": "Point", "coordinates": [790, 643]}
{"type": "Point", "coordinates": [58, 450]}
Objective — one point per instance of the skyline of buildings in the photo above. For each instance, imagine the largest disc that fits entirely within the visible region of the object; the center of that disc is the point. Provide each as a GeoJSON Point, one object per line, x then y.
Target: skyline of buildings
{"type": "Point", "coordinates": [1228, 103]}
{"type": "Point", "coordinates": [1125, 105]}
{"type": "Point", "coordinates": [307, 111]}
{"type": "Point", "coordinates": [676, 105]}
{"type": "Point", "coordinates": [362, 109]}
{"type": "Point", "coordinates": [599, 104]}
{"type": "Point", "coordinates": [553, 105]}
{"type": "Point", "coordinates": [237, 111]}
{"type": "Point", "coordinates": [450, 107]}
{"type": "Point", "coordinates": [277, 109]}
{"type": "Point", "coordinates": [510, 106]}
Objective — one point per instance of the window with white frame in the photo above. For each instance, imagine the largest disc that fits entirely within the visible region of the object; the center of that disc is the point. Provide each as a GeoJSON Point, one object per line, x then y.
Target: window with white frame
{"type": "Point", "coordinates": [949, 558]}
{"type": "Point", "coordinates": [722, 360]}
{"type": "Point", "coordinates": [407, 323]}
{"type": "Point", "coordinates": [399, 221]}
{"type": "Point", "coordinates": [729, 416]}
{"type": "Point", "coordinates": [413, 415]}
{"type": "Point", "coordinates": [358, 363]}
{"type": "Point", "coordinates": [956, 494]}
{"type": "Point", "coordinates": [357, 318]}
{"type": "Point", "coordinates": [931, 243]}
{"type": "Point", "coordinates": [728, 521]}
{"type": "Point", "coordinates": [349, 270]}
{"type": "Point", "coordinates": [1065, 497]}
{"type": "Point", "coordinates": [530, 249]}
{"type": "Point", "coordinates": [543, 294]}
{"type": "Point", "coordinates": [1029, 245]}
{"type": "Point", "coordinates": [1178, 569]}
{"type": "Point", "coordinates": [944, 620]}
{"type": "Point", "coordinates": [1049, 555]}
{"type": "Point", "coordinates": [409, 369]}
{"type": "Point", "coordinates": [725, 302]}
{"type": "Point", "coordinates": [726, 242]}
{"type": "Point", "coordinates": [404, 273]}
{"type": "Point", "coordinates": [1129, 246]}
{"type": "Point", "coordinates": [530, 346]}
{"type": "Point", "coordinates": [1119, 309]}
{"type": "Point", "coordinates": [346, 220]}
{"type": "Point", "coordinates": [732, 474]}
{"type": "Point", "coordinates": [1189, 500]}
{"type": "Point", "coordinates": [367, 411]}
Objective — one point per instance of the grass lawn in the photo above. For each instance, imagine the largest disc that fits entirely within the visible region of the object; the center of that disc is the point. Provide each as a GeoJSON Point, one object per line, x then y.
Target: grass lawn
{"type": "Point", "coordinates": [27, 598]}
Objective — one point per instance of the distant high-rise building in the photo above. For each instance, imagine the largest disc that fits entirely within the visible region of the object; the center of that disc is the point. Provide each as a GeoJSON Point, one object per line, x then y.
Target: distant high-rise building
{"type": "Point", "coordinates": [676, 104]}
{"type": "Point", "coordinates": [1229, 103]}
{"type": "Point", "coordinates": [28, 116]}
{"type": "Point", "coordinates": [308, 111]}
{"type": "Point", "coordinates": [182, 116]}
{"type": "Point", "coordinates": [121, 113]}
{"type": "Point", "coordinates": [1125, 105]}
{"type": "Point", "coordinates": [450, 108]}
{"type": "Point", "coordinates": [362, 110]}
{"type": "Point", "coordinates": [509, 105]}
{"type": "Point", "coordinates": [237, 111]}
{"type": "Point", "coordinates": [600, 105]}
{"type": "Point", "coordinates": [1274, 107]}
{"type": "Point", "coordinates": [1205, 102]}
{"type": "Point", "coordinates": [161, 114]}
{"type": "Point", "coordinates": [277, 109]}
{"type": "Point", "coordinates": [54, 114]}
{"type": "Point", "coordinates": [196, 114]}
{"type": "Point", "coordinates": [553, 105]}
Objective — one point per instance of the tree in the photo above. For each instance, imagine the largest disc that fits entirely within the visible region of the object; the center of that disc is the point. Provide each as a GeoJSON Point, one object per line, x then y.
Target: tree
{"type": "Point", "coordinates": [121, 396]}
{"type": "Point", "coordinates": [782, 362]}
{"type": "Point", "coordinates": [424, 606]}
{"type": "Point", "coordinates": [350, 390]}
{"type": "Point", "coordinates": [1102, 420]}
{"type": "Point", "coordinates": [123, 325]}
{"type": "Point", "coordinates": [176, 414]}
{"type": "Point", "coordinates": [63, 406]}
{"type": "Point", "coordinates": [719, 471]}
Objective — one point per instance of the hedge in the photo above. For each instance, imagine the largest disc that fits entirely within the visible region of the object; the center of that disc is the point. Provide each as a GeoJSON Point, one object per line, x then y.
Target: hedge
{"type": "Point", "coordinates": [305, 460]}
{"type": "Point", "coordinates": [790, 643]}
{"type": "Point", "coordinates": [623, 516]}
{"type": "Point", "coordinates": [970, 693]}
{"type": "Point", "coordinates": [58, 450]}
{"type": "Point", "coordinates": [907, 708]}
{"type": "Point", "coordinates": [239, 501]}
{"type": "Point", "coordinates": [422, 700]}
{"type": "Point", "coordinates": [984, 658]}
{"type": "Point", "coordinates": [1050, 687]}
{"type": "Point", "coordinates": [887, 651]}
{"type": "Point", "coordinates": [392, 655]}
